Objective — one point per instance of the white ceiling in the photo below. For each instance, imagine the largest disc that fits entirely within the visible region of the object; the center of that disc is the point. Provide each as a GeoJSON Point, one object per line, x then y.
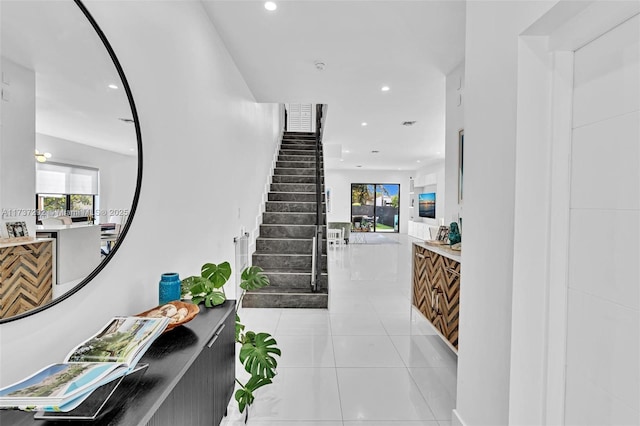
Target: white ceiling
{"type": "Point", "coordinates": [407, 45]}
{"type": "Point", "coordinates": [73, 71]}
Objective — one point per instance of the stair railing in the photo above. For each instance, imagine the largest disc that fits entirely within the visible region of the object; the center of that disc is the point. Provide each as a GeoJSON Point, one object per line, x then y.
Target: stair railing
{"type": "Point", "coordinates": [316, 260]}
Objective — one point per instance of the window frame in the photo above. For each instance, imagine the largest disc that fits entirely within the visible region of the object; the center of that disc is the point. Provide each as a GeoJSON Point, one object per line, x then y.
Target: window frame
{"type": "Point", "coordinates": [67, 208]}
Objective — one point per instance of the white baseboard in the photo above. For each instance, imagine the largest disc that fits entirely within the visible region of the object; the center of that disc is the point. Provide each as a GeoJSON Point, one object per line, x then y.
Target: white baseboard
{"type": "Point", "coordinates": [456, 420]}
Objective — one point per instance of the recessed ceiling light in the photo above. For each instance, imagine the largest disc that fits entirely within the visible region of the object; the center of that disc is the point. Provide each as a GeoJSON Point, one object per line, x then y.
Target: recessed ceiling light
{"type": "Point", "coordinates": [385, 88]}
{"type": "Point", "coordinates": [347, 151]}
{"type": "Point", "coordinates": [112, 86]}
{"type": "Point", "coordinates": [417, 161]}
{"type": "Point", "coordinates": [270, 6]}
{"type": "Point", "coordinates": [364, 123]}
{"type": "Point", "coordinates": [131, 149]}
{"type": "Point", "coordinates": [342, 159]}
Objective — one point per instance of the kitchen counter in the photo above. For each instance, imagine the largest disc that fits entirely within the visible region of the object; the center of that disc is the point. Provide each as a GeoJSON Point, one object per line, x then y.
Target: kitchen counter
{"type": "Point", "coordinates": [77, 250]}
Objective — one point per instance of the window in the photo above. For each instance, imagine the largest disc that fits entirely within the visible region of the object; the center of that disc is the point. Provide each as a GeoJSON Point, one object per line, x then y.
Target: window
{"type": "Point", "coordinates": [65, 190]}
{"type": "Point", "coordinates": [375, 207]}
{"type": "Point", "coordinates": [78, 206]}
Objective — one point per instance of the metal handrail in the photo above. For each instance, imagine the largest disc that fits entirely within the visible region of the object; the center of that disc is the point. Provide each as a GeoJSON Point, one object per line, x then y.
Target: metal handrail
{"type": "Point", "coordinates": [316, 262]}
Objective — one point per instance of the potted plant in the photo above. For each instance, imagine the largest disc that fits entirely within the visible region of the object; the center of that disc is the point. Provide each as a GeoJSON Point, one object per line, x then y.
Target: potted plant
{"type": "Point", "coordinates": [258, 350]}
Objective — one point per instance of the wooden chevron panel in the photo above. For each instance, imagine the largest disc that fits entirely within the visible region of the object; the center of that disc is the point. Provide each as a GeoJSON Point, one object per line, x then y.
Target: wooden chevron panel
{"type": "Point", "coordinates": [420, 299]}
{"type": "Point", "coordinates": [452, 297]}
{"type": "Point", "coordinates": [26, 277]}
{"type": "Point", "coordinates": [436, 291]}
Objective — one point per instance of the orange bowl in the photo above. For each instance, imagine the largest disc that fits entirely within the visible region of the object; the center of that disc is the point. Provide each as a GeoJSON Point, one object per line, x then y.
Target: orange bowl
{"type": "Point", "coordinates": [192, 311]}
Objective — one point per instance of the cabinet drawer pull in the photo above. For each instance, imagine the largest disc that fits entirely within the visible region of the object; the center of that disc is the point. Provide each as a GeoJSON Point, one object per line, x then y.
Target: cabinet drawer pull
{"type": "Point", "coordinates": [216, 335]}
{"type": "Point", "coordinates": [454, 272]}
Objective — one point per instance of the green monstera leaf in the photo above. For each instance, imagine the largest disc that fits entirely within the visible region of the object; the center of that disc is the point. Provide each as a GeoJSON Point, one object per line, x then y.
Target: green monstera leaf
{"type": "Point", "coordinates": [194, 286]}
{"type": "Point", "coordinates": [253, 278]}
{"type": "Point", "coordinates": [217, 274]}
{"type": "Point", "coordinates": [244, 395]}
{"type": "Point", "coordinates": [257, 353]}
{"type": "Point", "coordinates": [202, 290]}
{"type": "Point", "coordinates": [239, 329]}
{"type": "Point", "coordinates": [213, 298]}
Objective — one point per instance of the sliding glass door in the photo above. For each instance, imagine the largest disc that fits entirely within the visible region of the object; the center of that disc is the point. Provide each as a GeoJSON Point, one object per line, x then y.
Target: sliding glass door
{"type": "Point", "coordinates": [375, 207]}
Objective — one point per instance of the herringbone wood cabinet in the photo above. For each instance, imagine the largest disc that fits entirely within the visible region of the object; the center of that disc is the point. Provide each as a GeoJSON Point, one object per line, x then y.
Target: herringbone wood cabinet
{"type": "Point", "coordinates": [26, 277]}
{"type": "Point", "coordinates": [436, 291]}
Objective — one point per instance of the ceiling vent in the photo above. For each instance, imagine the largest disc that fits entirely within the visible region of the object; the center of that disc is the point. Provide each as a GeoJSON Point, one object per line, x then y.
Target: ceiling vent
{"type": "Point", "coordinates": [408, 123]}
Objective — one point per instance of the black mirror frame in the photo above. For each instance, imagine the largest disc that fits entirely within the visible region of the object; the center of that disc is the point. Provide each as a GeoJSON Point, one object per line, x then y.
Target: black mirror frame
{"type": "Point", "coordinates": [136, 195]}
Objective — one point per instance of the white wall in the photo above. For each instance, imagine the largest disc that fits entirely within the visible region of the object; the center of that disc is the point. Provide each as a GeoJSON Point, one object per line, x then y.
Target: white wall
{"type": "Point", "coordinates": [340, 183]}
{"type": "Point", "coordinates": [199, 121]}
{"type": "Point", "coordinates": [17, 144]}
{"type": "Point", "coordinates": [529, 320]}
{"type": "Point", "coordinates": [492, 30]}
{"type": "Point", "coordinates": [117, 171]}
{"type": "Point", "coordinates": [454, 123]}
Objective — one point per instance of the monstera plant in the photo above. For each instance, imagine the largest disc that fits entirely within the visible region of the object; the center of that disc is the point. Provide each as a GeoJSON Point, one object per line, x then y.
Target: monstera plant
{"type": "Point", "coordinates": [258, 350]}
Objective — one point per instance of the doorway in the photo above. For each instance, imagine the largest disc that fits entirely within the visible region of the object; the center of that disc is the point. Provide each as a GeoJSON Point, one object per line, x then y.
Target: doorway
{"type": "Point", "coordinates": [375, 207]}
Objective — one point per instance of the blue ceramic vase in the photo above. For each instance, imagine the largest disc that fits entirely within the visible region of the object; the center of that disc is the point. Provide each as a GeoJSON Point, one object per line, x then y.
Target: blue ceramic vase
{"type": "Point", "coordinates": [169, 288]}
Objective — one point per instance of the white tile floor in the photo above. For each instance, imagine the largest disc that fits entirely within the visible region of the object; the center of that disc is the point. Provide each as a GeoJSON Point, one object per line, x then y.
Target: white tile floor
{"type": "Point", "coordinates": [369, 360]}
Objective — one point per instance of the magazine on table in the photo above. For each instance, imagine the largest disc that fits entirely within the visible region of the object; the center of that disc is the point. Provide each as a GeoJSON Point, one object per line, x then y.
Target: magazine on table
{"type": "Point", "coordinates": [108, 355]}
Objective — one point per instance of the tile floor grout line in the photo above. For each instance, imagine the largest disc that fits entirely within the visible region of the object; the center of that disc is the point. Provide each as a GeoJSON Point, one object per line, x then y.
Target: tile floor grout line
{"type": "Point", "coordinates": [335, 371]}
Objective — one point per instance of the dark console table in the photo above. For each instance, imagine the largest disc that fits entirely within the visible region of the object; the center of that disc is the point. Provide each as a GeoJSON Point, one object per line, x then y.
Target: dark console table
{"type": "Point", "coordinates": [189, 380]}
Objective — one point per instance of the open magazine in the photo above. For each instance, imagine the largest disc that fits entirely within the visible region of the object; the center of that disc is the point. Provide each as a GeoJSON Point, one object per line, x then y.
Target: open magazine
{"type": "Point", "coordinates": [108, 355]}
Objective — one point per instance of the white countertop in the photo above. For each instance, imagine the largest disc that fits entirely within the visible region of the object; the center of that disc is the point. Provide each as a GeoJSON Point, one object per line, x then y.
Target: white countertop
{"type": "Point", "coordinates": [6, 244]}
{"type": "Point", "coordinates": [441, 249]}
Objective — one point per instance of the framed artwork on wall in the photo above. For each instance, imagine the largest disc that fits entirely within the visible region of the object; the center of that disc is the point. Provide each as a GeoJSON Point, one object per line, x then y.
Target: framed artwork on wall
{"type": "Point", "coordinates": [460, 163]}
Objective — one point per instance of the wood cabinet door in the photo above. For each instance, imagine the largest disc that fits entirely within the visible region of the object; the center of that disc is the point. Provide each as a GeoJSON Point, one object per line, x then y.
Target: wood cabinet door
{"type": "Point", "coordinates": [451, 296]}
{"type": "Point", "coordinates": [421, 289]}
{"type": "Point", "coordinates": [436, 291]}
{"type": "Point", "coordinates": [26, 277]}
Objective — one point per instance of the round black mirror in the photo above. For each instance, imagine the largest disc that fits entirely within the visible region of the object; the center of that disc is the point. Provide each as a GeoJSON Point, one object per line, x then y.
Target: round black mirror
{"type": "Point", "coordinates": [71, 163]}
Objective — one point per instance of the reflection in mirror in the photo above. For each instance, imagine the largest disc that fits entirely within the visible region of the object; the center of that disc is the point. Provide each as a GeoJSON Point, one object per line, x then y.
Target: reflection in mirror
{"type": "Point", "coordinates": [69, 154]}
